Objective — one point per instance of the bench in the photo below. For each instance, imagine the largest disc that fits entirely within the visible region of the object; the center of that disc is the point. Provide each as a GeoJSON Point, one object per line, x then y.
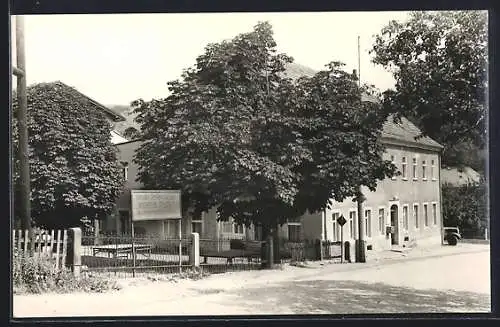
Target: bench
{"type": "Point", "coordinates": [246, 249]}
{"type": "Point", "coordinates": [122, 250]}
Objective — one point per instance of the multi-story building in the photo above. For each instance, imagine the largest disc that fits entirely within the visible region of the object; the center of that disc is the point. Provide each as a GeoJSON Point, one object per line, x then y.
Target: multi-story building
{"type": "Point", "coordinates": [409, 202]}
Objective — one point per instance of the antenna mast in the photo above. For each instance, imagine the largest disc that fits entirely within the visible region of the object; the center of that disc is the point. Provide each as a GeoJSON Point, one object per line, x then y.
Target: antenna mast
{"type": "Point", "coordinates": [359, 64]}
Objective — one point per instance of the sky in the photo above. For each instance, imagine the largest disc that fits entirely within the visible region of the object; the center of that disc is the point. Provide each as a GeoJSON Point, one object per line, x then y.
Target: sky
{"type": "Point", "coordinates": [118, 58]}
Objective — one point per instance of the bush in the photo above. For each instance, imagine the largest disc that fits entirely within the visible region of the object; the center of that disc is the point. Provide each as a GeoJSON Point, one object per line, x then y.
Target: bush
{"type": "Point", "coordinates": [38, 275]}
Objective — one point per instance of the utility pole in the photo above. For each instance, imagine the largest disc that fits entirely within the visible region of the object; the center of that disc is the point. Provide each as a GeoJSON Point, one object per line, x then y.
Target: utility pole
{"type": "Point", "coordinates": [360, 242]}
{"type": "Point", "coordinates": [22, 153]}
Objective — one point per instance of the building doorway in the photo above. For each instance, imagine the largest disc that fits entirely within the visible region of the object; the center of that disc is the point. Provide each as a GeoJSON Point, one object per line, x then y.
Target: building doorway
{"type": "Point", "coordinates": [394, 224]}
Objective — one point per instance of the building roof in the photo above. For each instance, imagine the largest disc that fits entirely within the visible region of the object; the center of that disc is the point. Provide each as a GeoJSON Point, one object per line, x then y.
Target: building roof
{"type": "Point", "coordinates": [115, 117]}
{"type": "Point", "coordinates": [406, 133]}
{"type": "Point", "coordinates": [459, 176]}
{"type": "Point", "coordinates": [401, 133]}
{"type": "Point", "coordinates": [117, 138]}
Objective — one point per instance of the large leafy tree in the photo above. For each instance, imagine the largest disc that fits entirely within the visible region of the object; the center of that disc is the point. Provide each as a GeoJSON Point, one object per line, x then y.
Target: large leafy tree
{"type": "Point", "coordinates": [439, 62]}
{"type": "Point", "coordinates": [73, 165]}
{"type": "Point", "coordinates": [465, 206]}
{"type": "Point", "coordinates": [236, 133]}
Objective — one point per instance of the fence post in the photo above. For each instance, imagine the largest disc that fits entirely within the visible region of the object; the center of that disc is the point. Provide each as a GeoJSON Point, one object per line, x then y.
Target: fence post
{"type": "Point", "coordinates": [194, 254]}
{"type": "Point", "coordinates": [75, 250]}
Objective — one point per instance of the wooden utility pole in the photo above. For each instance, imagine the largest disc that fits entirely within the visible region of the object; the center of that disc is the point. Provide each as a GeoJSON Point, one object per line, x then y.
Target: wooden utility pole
{"type": "Point", "coordinates": [360, 243]}
{"type": "Point", "coordinates": [22, 153]}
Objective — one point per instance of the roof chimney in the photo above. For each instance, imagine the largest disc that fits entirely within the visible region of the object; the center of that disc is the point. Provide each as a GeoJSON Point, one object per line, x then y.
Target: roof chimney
{"type": "Point", "coordinates": [355, 72]}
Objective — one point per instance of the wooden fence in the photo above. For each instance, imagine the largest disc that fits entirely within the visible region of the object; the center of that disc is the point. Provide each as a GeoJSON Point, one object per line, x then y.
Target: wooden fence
{"type": "Point", "coordinates": [51, 244]}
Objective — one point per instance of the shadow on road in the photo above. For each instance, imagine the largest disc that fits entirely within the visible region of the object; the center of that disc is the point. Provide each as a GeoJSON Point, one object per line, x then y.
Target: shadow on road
{"type": "Point", "coordinates": [353, 297]}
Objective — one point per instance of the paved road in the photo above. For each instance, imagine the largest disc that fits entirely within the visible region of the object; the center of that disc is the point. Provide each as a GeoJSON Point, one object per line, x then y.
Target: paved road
{"type": "Point", "coordinates": [453, 282]}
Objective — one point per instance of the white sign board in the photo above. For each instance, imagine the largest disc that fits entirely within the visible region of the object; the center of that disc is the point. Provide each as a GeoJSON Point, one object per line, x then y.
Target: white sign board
{"type": "Point", "coordinates": [155, 204]}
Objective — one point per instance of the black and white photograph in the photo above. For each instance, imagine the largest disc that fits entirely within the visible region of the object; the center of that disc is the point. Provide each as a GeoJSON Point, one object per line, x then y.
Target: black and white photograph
{"type": "Point", "coordinates": [249, 163]}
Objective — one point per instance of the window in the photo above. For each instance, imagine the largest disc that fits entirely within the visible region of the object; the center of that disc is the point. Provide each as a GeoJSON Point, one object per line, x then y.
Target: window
{"type": "Point", "coordinates": [414, 168]}
{"type": "Point", "coordinates": [381, 221]}
{"type": "Point", "coordinates": [124, 170]}
{"type": "Point", "coordinates": [415, 214]}
{"type": "Point", "coordinates": [405, 217]}
{"type": "Point", "coordinates": [336, 227]}
{"type": "Point", "coordinates": [352, 216]}
{"type": "Point", "coordinates": [197, 225]}
{"type": "Point", "coordinates": [171, 228]}
{"type": "Point", "coordinates": [424, 172]}
{"type": "Point", "coordinates": [238, 228]}
{"type": "Point", "coordinates": [368, 223]}
{"type": "Point", "coordinates": [433, 170]}
{"type": "Point", "coordinates": [125, 173]}
{"type": "Point", "coordinates": [294, 232]}
{"type": "Point", "coordinates": [227, 226]}
{"type": "Point", "coordinates": [434, 213]}
{"type": "Point", "coordinates": [403, 167]}
{"type": "Point", "coordinates": [393, 161]}
{"type": "Point", "coordinates": [426, 215]}
{"type": "Point", "coordinates": [124, 223]}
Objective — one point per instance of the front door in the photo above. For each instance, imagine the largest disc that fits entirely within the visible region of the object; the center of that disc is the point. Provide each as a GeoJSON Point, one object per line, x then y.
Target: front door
{"type": "Point", "coordinates": [394, 224]}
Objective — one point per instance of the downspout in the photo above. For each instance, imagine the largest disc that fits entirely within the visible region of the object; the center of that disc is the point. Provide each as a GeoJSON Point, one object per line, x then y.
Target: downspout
{"type": "Point", "coordinates": [440, 199]}
{"type": "Point", "coordinates": [323, 234]}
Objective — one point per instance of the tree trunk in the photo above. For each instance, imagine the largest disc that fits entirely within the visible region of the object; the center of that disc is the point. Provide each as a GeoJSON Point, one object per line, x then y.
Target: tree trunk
{"type": "Point", "coordinates": [276, 245]}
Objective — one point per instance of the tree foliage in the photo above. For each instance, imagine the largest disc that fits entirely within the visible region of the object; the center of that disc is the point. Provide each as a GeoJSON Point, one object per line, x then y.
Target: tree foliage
{"type": "Point", "coordinates": [236, 133]}
{"type": "Point", "coordinates": [466, 207]}
{"type": "Point", "coordinates": [439, 62]}
{"type": "Point", "coordinates": [73, 166]}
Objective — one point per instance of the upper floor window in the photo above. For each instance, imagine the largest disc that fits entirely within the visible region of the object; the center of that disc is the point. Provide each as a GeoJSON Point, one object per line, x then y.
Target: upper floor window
{"type": "Point", "coordinates": [433, 170]}
{"type": "Point", "coordinates": [424, 170]}
{"type": "Point", "coordinates": [414, 168]}
{"type": "Point", "coordinates": [124, 165]}
{"type": "Point", "coordinates": [393, 161]}
{"type": "Point", "coordinates": [404, 168]}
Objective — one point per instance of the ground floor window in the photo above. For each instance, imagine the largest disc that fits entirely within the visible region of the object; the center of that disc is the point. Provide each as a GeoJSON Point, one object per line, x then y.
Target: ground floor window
{"type": "Point", "coordinates": [124, 222]}
{"type": "Point", "coordinates": [352, 217]}
{"type": "Point", "coordinates": [336, 227]}
{"type": "Point", "coordinates": [294, 231]}
{"type": "Point", "coordinates": [238, 228]}
{"type": "Point", "coordinates": [426, 216]}
{"type": "Point", "coordinates": [197, 226]}
{"type": "Point", "coordinates": [368, 222]}
{"type": "Point", "coordinates": [405, 217]}
{"type": "Point", "coordinates": [434, 213]}
{"type": "Point", "coordinates": [415, 214]}
{"type": "Point", "coordinates": [381, 221]}
{"type": "Point", "coordinates": [171, 228]}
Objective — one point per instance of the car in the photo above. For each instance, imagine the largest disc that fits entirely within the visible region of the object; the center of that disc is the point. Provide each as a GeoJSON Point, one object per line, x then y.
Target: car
{"type": "Point", "coordinates": [452, 235]}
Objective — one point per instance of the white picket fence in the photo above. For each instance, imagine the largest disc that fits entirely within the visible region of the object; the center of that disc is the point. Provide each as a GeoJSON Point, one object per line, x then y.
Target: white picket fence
{"type": "Point", "coordinates": [52, 244]}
